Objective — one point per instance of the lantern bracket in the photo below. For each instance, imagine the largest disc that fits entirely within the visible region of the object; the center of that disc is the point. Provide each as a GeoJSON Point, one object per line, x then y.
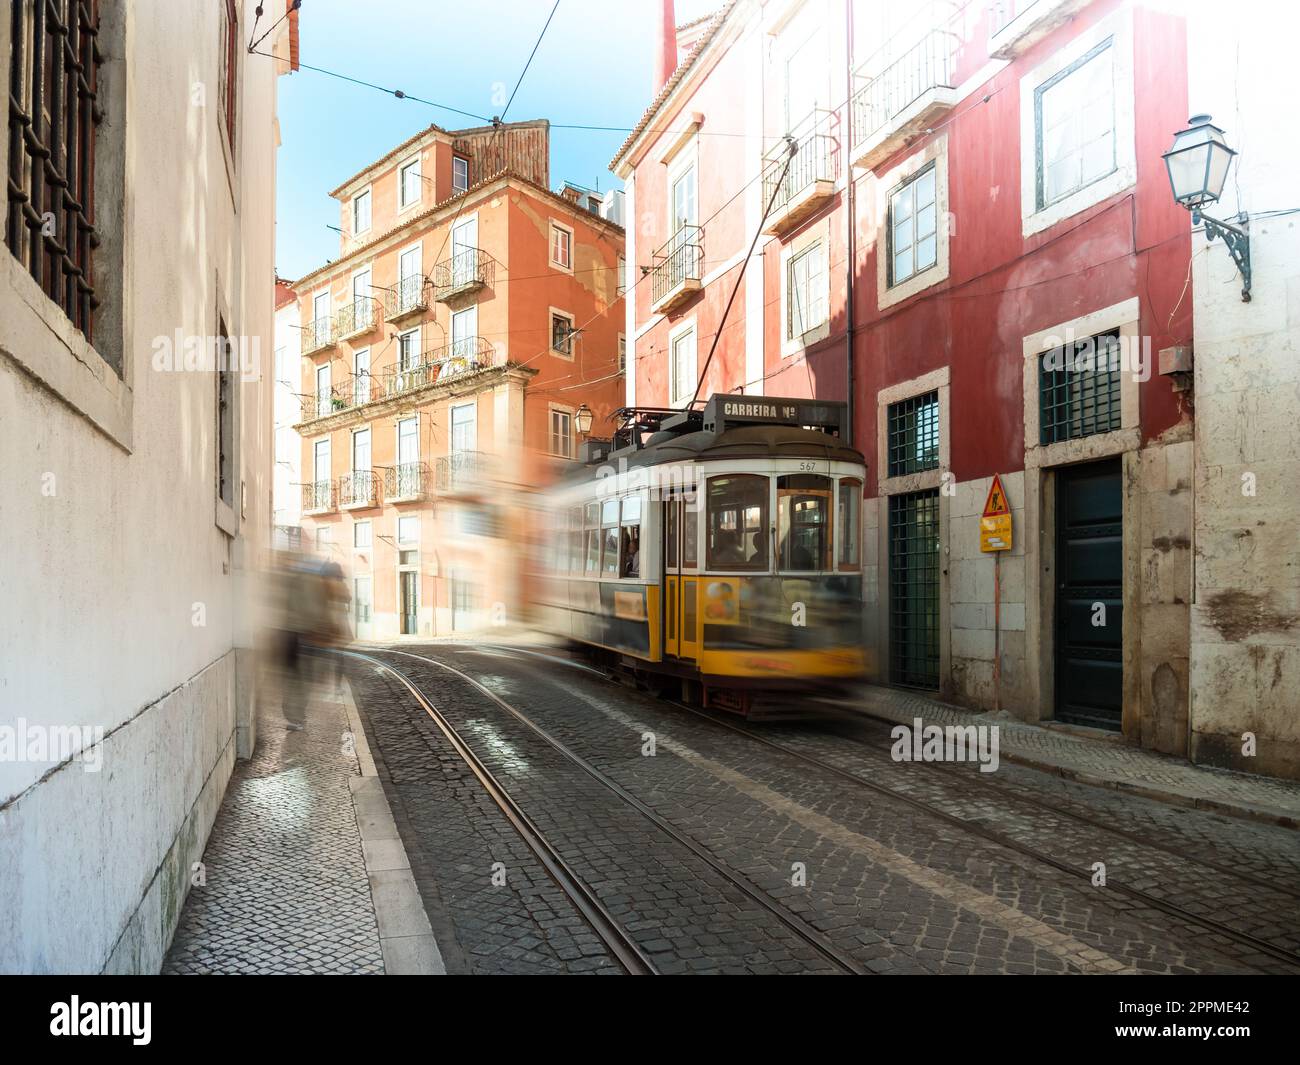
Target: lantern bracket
{"type": "Point", "coordinates": [1237, 241]}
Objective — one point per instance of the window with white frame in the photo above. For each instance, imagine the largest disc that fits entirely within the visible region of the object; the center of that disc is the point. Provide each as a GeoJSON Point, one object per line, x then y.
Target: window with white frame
{"type": "Point", "coordinates": [408, 349]}
{"type": "Point", "coordinates": [807, 305]}
{"type": "Point", "coordinates": [361, 535]}
{"type": "Point", "coordinates": [408, 529]}
{"type": "Point", "coordinates": [561, 433]}
{"type": "Point", "coordinates": [324, 538]}
{"type": "Point", "coordinates": [562, 333]}
{"type": "Point", "coordinates": [408, 183]}
{"type": "Point", "coordinates": [622, 353]}
{"type": "Point", "coordinates": [561, 246]}
{"type": "Point", "coordinates": [682, 366]}
{"type": "Point", "coordinates": [459, 173]}
{"type": "Point", "coordinates": [1074, 125]}
{"type": "Point", "coordinates": [913, 227]}
{"type": "Point", "coordinates": [361, 376]}
{"type": "Point", "coordinates": [361, 212]}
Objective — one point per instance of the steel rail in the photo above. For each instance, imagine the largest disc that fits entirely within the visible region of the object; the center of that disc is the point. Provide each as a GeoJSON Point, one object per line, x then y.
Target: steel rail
{"type": "Point", "coordinates": [991, 835]}
{"type": "Point", "coordinates": [795, 924]}
{"type": "Point", "coordinates": [619, 942]}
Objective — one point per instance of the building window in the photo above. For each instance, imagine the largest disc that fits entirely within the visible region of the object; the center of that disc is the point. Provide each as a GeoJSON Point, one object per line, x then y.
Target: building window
{"type": "Point", "coordinates": [324, 538]}
{"type": "Point", "coordinates": [459, 174]}
{"type": "Point", "coordinates": [227, 396]}
{"type": "Point", "coordinates": [1074, 126]}
{"type": "Point", "coordinates": [229, 69]}
{"type": "Point", "coordinates": [682, 367]}
{"type": "Point", "coordinates": [408, 349]}
{"type": "Point", "coordinates": [361, 377]}
{"type": "Point", "coordinates": [621, 283]}
{"type": "Point", "coordinates": [562, 333]}
{"type": "Point", "coordinates": [51, 187]}
{"type": "Point", "coordinates": [361, 535]}
{"type": "Point", "coordinates": [561, 246]}
{"type": "Point", "coordinates": [561, 434]}
{"type": "Point", "coordinates": [913, 234]}
{"type": "Point", "coordinates": [408, 530]}
{"type": "Point", "coordinates": [361, 212]}
{"type": "Point", "coordinates": [914, 435]}
{"type": "Point", "coordinates": [622, 353]}
{"type": "Point", "coordinates": [408, 183]}
{"type": "Point", "coordinates": [807, 306]}
{"type": "Point", "coordinates": [1079, 389]}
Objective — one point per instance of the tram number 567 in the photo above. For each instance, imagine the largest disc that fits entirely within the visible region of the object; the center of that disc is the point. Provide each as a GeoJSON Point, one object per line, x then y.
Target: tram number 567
{"type": "Point", "coordinates": [808, 467]}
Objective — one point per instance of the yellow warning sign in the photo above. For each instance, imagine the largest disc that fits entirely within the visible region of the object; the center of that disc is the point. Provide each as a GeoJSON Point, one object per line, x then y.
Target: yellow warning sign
{"type": "Point", "coordinates": [995, 524]}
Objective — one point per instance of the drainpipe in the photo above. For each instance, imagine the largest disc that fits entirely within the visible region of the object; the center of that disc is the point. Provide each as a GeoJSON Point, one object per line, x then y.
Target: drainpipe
{"type": "Point", "coordinates": [851, 244]}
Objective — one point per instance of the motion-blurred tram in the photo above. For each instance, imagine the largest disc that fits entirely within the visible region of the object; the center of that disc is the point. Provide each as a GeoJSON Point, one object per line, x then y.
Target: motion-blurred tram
{"type": "Point", "coordinates": [714, 553]}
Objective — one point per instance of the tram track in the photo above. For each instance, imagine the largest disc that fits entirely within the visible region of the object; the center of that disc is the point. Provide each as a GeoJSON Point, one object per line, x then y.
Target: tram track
{"type": "Point", "coordinates": [991, 835]}
{"type": "Point", "coordinates": [619, 940]}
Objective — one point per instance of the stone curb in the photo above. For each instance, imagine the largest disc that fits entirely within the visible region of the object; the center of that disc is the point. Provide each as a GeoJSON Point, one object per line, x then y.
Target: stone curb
{"type": "Point", "coordinates": [405, 936]}
{"type": "Point", "coordinates": [1227, 807]}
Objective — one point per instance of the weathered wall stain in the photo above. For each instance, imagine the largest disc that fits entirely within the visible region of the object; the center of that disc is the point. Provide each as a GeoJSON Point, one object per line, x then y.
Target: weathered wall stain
{"type": "Point", "coordinates": [1237, 614]}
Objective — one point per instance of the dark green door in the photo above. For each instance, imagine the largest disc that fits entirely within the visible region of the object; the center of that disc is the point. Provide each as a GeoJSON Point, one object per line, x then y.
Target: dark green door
{"type": "Point", "coordinates": [1089, 595]}
{"type": "Point", "coordinates": [914, 589]}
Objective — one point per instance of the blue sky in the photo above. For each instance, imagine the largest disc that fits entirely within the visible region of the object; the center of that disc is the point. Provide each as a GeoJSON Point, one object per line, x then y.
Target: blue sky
{"type": "Point", "coordinates": [593, 67]}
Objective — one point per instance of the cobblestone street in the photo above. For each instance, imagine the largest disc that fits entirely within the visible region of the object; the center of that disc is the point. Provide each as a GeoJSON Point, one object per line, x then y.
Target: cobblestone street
{"type": "Point", "coordinates": [717, 845]}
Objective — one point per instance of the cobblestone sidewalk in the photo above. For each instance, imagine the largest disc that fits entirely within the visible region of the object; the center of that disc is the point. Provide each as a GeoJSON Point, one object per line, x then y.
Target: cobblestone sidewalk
{"type": "Point", "coordinates": [1104, 763]}
{"type": "Point", "coordinates": [286, 884]}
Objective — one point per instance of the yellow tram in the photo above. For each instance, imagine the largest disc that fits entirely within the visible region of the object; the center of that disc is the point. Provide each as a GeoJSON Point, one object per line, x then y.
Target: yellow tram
{"type": "Point", "coordinates": [716, 549]}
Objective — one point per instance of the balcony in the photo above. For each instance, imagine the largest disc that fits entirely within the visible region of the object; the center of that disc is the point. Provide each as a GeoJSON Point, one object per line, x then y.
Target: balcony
{"type": "Point", "coordinates": [676, 270]}
{"type": "Point", "coordinates": [808, 184]}
{"type": "Point", "coordinates": [464, 273]}
{"type": "Point", "coordinates": [356, 318]}
{"type": "Point", "coordinates": [358, 489]}
{"type": "Point", "coordinates": [904, 99]}
{"type": "Point", "coordinates": [408, 298]}
{"type": "Point", "coordinates": [468, 355]}
{"type": "Point", "coordinates": [317, 335]}
{"type": "Point", "coordinates": [322, 403]}
{"type": "Point", "coordinates": [464, 471]}
{"type": "Point", "coordinates": [406, 483]}
{"type": "Point", "coordinates": [1018, 25]}
{"type": "Point", "coordinates": [318, 497]}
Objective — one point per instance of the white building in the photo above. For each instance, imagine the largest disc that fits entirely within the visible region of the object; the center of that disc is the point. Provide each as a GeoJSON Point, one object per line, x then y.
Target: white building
{"type": "Point", "coordinates": [286, 491]}
{"type": "Point", "coordinates": [136, 473]}
{"type": "Point", "coordinates": [1245, 617]}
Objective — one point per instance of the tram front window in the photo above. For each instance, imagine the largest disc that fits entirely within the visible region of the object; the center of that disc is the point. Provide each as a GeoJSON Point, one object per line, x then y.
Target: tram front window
{"type": "Point", "coordinates": [803, 504]}
{"type": "Point", "coordinates": [737, 522]}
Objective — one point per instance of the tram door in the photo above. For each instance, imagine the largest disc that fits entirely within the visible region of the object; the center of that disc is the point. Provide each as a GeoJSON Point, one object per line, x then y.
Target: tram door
{"type": "Point", "coordinates": [681, 577]}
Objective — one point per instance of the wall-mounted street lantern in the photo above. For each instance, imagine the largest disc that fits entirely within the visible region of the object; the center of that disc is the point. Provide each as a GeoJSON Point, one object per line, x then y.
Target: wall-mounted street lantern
{"type": "Point", "coordinates": [582, 419]}
{"type": "Point", "coordinates": [1198, 166]}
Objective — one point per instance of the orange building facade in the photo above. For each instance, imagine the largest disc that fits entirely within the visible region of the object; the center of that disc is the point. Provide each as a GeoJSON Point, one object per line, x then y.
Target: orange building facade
{"type": "Point", "coordinates": [446, 353]}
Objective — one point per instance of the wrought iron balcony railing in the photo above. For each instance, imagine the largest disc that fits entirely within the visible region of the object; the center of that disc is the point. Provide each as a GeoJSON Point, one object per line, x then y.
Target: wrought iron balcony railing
{"type": "Point", "coordinates": [407, 297]}
{"type": "Point", "coordinates": [463, 469]}
{"type": "Point", "coordinates": [408, 378]}
{"type": "Point", "coordinates": [366, 388]}
{"type": "Point", "coordinates": [884, 96]}
{"type": "Point", "coordinates": [317, 497]}
{"type": "Point", "coordinates": [677, 268]}
{"type": "Point", "coordinates": [815, 161]}
{"type": "Point", "coordinates": [356, 317]}
{"type": "Point", "coordinates": [406, 481]}
{"type": "Point", "coordinates": [324, 402]}
{"type": "Point", "coordinates": [466, 271]}
{"type": "Point", "coordinates": [317, 334]}
{"type": "Point", "coordinates": [360, 488]}
{"type": "Point", "coordinates": [464, 356]}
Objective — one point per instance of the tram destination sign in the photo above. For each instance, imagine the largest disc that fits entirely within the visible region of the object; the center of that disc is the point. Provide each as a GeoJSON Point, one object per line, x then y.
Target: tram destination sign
{"type": "Point", "coordinates": [724, 412]}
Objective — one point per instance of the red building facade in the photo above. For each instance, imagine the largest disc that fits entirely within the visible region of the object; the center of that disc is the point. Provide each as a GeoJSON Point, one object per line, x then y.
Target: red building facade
{"type": "Point", "coordinates": [971, 187]}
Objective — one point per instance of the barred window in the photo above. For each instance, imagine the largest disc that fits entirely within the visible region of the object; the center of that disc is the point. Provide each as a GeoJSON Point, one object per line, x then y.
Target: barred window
{"type": "Point", "coordinates": [54, 117]}
{"type": "Point", "coordinates": [1079, 389]}
{"type": "Point", "coordinates": [914, 435]}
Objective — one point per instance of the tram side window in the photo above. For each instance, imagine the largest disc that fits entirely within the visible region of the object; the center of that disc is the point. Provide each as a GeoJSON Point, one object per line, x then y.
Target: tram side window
{"type": "Point", "coordinates": [630, 538]}
{"type": "Point", "coordinates": [574, 562]}
{"type": "Point", "coordinates": [737, 522]}
{"type": "Point", "coordinates": [850, 515]}
{"type": "Point", "coordinates": [592, 531]}
{"type": "Point", "coordinates": [609, 538]}
{"type": "Point", "coordinates": [803, 504]}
